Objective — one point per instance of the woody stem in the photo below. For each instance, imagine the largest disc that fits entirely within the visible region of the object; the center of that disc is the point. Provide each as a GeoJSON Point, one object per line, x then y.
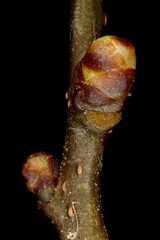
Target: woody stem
{"type": "Point", "coordinates": [75, 207]}
{"type": "Point", "coordinates": [76, 203]}
{"type": "Point", "coordinates": [85, 26]}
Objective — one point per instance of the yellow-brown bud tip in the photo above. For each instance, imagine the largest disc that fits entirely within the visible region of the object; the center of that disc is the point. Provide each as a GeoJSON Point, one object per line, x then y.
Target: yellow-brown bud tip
{"type": "Point", "coordinates": [40, 170]}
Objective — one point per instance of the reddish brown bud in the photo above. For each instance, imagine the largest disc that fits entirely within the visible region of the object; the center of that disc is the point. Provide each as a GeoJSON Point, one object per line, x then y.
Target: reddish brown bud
{"type": "Point", "coordinates": [104, 77]}
{"type": "Point", "coordinates": [40, 170]}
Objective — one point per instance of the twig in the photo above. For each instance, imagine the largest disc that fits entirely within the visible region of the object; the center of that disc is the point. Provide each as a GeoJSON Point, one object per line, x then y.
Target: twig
{"type": "Point", "coordinates": [102, 73]}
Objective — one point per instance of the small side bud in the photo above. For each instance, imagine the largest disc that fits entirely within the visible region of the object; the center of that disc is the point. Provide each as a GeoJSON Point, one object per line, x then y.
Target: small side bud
{"type": "Point", "coordinates": [40, 170]}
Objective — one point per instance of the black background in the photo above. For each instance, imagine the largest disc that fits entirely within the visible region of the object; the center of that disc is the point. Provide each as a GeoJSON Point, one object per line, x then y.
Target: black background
{"type": "Point", "coordinates": [36, 70]}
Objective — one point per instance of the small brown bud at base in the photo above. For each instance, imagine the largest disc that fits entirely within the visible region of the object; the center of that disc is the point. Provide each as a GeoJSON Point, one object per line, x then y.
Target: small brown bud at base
{"type": "Point", "coordinates": [40, 170]}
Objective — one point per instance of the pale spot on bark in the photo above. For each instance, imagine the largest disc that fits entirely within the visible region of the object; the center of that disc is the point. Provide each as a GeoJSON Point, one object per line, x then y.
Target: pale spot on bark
{"type": "Point", "coordinates": [71, 212]}
{"type": "Point", "coordinates": [79, 170]}
{"type": "Point", "coordinates": [64, 186]}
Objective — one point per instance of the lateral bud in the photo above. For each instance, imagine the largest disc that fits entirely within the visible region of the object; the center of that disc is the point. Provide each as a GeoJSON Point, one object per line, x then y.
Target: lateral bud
{"type": "Point", "coordinates": [40, 170]}
{"type": "Point", "coordinates": [103, 79]}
